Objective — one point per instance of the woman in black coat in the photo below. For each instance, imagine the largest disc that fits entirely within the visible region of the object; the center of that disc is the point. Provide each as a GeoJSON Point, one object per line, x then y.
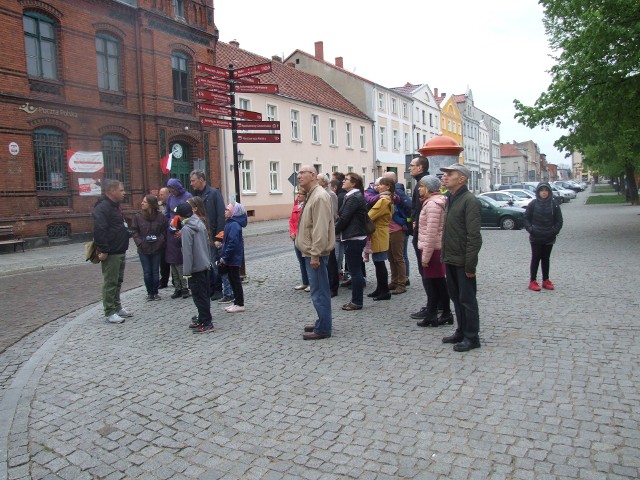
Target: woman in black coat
{"type": "Point", "coordinates": [149, 233]}
{"type": "Point", "coordinates": [543, 221]}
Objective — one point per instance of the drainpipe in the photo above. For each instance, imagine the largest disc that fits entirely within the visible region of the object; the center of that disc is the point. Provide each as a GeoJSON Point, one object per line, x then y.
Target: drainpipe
{"type": "Point", "coordinates": [143, 153]}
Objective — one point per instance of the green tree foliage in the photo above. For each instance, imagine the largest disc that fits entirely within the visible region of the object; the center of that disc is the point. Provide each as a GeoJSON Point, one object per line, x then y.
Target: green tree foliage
{"type": "Point", "coordinates": [595, 89]}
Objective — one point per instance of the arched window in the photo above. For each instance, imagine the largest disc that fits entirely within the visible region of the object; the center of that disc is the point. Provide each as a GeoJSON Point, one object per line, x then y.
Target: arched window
{"type": "Point", "coordinates": [50, 160]}
{"type": "Point", "coordinates": [180, 73]}
{"type": "Point", "coordinates": [116, 164]}
{"type": "Point", "coordinates": [108, 60]}
{"type": "Point", "coordinates": [40, 45]}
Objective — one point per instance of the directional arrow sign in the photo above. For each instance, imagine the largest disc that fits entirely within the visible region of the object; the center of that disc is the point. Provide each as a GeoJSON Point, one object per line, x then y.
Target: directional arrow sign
{"type": "Point", "coordinates": [211, 70]}
{"type": "Point", "coordinates": [216, 97]}
{"type": "Point", "coordinates": [215, 122]}
{"type": "Point", "coordinates": [261, 88]}
{"type": "Point", "coordinates": [258, 125]}
{"type": "Point", "coordinates": [211, 83]}
{"type": "Point", "coordinates": [212, 109]}
{"type": "Point", "coordinates": [248, 80]}
{"type": "Point", "coordinates": [259, 138]}
{"type": "Point", "coordinates": [252, 70]}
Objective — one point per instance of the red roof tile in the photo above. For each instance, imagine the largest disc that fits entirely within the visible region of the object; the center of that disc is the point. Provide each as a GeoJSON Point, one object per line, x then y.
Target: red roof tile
{"type": "Point", "coordinates": [510, 150]}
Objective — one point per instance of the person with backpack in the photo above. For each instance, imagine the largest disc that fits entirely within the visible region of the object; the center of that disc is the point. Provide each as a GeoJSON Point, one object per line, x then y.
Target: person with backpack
{"type": "Point", "coordinates": [543, 221]}
{"type": "Point", "coordinates": [398, 237]}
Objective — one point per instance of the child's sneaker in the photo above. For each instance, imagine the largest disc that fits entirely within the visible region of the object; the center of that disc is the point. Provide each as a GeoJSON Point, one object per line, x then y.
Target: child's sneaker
{"type": "Point", "coordinates": [226, 299]}
{"type": "Point", "coordinates": [203, 329]}
{"type": "Point", "coordinates": [546, 284]}
{"type": "Point", "coordinates": [234, 309]}
{"type": "Point", "coordinates": [535, 286]}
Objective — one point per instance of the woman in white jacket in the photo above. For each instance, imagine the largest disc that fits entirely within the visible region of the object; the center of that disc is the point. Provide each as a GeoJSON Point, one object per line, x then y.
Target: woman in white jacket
{"type": "Point", "coordinates": [430, 225]}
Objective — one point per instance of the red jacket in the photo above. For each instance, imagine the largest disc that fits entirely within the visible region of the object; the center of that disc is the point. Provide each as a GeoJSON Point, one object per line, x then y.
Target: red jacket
{"type": "Point", "coordinates": [295, 217]}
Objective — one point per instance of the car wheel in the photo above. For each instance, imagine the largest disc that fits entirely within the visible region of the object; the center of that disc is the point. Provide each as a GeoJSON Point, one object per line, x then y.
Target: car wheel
{"type": "Point", "coordinates": [507, 223]}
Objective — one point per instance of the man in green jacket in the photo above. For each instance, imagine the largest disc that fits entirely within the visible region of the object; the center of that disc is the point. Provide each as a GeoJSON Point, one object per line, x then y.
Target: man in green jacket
{"type": "Point", "coordinates": [461, 242]}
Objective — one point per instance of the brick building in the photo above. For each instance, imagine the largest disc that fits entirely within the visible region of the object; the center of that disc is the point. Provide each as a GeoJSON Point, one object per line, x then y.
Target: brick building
{"type": "Point", "coordinates": [106, 76]}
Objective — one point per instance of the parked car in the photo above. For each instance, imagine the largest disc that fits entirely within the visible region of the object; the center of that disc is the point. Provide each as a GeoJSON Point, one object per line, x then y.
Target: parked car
{"type": "Point", "coordinates": [493, 215]}
{"type": "Point", "coordinates": [567, 185]}
{"type": "Point", "coordinates": [566, 194]}
{"type": "Point", "coordinates": [521, 193]}
{"type": "Point", "coordinates": [506, 199]}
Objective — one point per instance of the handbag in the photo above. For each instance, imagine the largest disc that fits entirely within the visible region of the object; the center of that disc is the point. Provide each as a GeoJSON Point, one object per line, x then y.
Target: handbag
{"type": "Point", "coordinates": [371, 227]}
{"type": "Point", "coordinates": [91, 252]}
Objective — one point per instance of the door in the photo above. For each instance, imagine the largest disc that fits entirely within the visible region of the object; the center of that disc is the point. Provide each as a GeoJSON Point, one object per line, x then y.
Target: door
{"type": "Point", "coordinates": [181, 163]}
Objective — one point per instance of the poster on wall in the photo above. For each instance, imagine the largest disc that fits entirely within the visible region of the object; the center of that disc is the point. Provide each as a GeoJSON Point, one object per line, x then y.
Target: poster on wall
{"type": "Point", "coordinates": [84, 162]}
{"type": "Point", "coordinates": [89, 187]}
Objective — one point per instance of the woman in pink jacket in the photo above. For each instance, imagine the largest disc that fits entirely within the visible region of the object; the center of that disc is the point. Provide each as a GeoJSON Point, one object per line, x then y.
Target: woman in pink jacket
{"type": "Point", "coordinates": [430, 225]}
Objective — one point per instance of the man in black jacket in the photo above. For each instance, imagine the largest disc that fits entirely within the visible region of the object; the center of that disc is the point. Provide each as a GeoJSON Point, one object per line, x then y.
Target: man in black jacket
{"type": "Point", "coordinates": [214, 207]}
{"type": "Point", "coordinates": [111, 234]}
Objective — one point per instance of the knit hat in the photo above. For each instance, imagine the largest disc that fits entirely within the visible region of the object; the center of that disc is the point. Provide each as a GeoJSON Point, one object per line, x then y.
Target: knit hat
{"type": "Point", "coordinates": [431, 182]}
{"type": "Point", "coordinates": [236, 209]}
{"type": "Point", "coordinates": [184, 210]}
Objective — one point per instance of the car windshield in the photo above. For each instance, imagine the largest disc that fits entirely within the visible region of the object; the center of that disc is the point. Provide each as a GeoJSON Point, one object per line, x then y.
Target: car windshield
{"type": "Point", "coordinates": [489, 200]}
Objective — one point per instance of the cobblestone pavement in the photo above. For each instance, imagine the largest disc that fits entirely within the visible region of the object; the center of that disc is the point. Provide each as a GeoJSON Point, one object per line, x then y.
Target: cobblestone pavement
{"type": "Point", "coordinates": [552, 393]}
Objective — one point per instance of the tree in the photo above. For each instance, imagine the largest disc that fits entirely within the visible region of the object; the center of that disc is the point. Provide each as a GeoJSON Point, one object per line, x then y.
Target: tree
{"type": "Point", "coordinates": [595, 83]}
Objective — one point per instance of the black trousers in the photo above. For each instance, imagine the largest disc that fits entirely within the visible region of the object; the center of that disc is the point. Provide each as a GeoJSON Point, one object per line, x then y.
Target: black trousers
{"type": "Point", "coordinates": [236, 285]}
{"type": "Point", "coordinates": [165, 270]}
{"type": "Point", "coordinates": [199, 284]}
{"type": "Point", "coordinates": [332, 268]}
{"type": "Point", "coordinates": [437, 296]}
{"type": "Point", "coordinates": [463, 293]}
{"type": "Point", "coordinates": [540, 254]}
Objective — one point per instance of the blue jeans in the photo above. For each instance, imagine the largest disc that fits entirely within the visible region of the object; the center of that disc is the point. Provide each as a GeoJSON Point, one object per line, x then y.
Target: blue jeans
{"type": "Point", "coordinates": [303, 267]}
{"type": "Point", "coordinates": [353, 259]}
{"type": "Point", "coordinates": [320, 294]}
{"type": "Point", "coordinates": [227, 291]}
{"type": "Point", "coordinates": [151, 272]}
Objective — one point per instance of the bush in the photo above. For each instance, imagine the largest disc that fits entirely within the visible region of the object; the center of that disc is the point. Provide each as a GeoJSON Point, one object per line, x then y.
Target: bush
{"type": "Point", "coordinates": [605, 199]}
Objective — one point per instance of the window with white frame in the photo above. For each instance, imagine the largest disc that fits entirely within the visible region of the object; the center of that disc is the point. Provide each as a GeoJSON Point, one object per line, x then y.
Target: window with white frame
{"type": "Point", "coordinates": [418, 139]}
{"type": "Point", "coordinates": [295, 125]}
{"type": "Point", "coordinates": [455, 130]}
{"type": "Point", "coordinates": [348, 138]}
{"type": "Point", "coordinates": [364, 175]}
{"type": "Point", "coordinates": [318, 167]}
{"type": "Point", "coordinates": [394, 105]}
{"type": "Point", "coordinates": [381, 101]}
{"type": "Point", "coordinates": [405, 109]}
{"type": "Point", "coordinates": [315, 128]}
{"type": "Point", "coordinates": [246, 169]}
{"type": "Point", "coordinates": [272, 114]}
{"type": "Point", "coordinates": [431, 119]}
{"type": "Point", "coordinates": [424, 117]}
{"type": "Point", "coordinates": [274, 177]}
{"type": "Point", "coordinates": [383, 133]}
{"type": "Point", "coordinates": [244, 104]}
{"type": "Point", "coordinates": [449, 125]}
{"type": "Point", "coordinates": [333, 135]}
{"type": "Point", "coordinates": [396, 139]}
{"type": "Point", "coordinates": [406, 141]}
{"type": "Point", "coordinates": [334, 168]}
{"type": "Point", "coordinates": [349, 169]}
{"type": "Point", "coordinates": [363, 138]}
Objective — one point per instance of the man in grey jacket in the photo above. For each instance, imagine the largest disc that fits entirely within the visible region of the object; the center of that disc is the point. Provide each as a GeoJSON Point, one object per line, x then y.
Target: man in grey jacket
{"type": "Point", "coordinates": [461, 242]}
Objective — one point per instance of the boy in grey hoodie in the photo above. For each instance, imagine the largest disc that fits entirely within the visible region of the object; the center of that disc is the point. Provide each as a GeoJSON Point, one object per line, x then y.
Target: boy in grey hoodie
{"type": "Point", "coordinates": [196, 264]}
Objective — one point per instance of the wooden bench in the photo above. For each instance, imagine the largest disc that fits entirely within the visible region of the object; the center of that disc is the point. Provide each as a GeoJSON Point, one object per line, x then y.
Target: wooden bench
{"type": "Point", "coordinates": [8, 237]}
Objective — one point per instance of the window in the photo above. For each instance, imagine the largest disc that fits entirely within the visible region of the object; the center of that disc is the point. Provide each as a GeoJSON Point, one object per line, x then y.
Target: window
{"type": "Point", "coordinates": [114, 152]}
{"type": "Point", "coordinates": [334, 168]}
{"type": "Point", "coordinates": [178, 8]}
{"type": "Point", "coordinates": [396, 140]}
{"type": "Point", "coordinates": [244, 104]}
{"type": "Point", "coordinates": [363, 139]}
{"type": "Point", "coordinates": [394, 105]}
{"type": "Point", "coordinates": [272, 115]}
{"type": "Point", "coordinates": [333, 139]}
{"type": "Point", "coordinates": [180, 71]}
{"type": "Point", "coordinates": [296, 167]}
{"type": "Point", "coordinates": [348, 139]}
{"type": "Point", "coordinates": [50, 160]}
{"type": "Point", "coordinates": [405, 110]}
{"type": "Point", "coordinates": [364, 175]}
{"type": "Point", "coordinates": [349, 169]}
{"type": "Point", "coordinates": [40, 46]}
{"type": "Point", "coordinates": [108, 56]}
{"type": "Point", "coordinates": [418, 140]}
{"type": "Point", "coordinates": [315, 129]}
{"type": "Point", "coordinates": [424, 117]}
{"type": "Point", "coordinates": [431, 119]}
{"type": "Point", "coordinates": [246, 169]}
{"type": "Point", "coordinates": [406, 142]}
{"type": "Point", "coordinates": [318, 167]}
{"type": "Point", "coordinates": [455, 130]}
{"type": "Point", "coordinates": [383, 133]}
{"type": "Point", "coordinates": [274, 176]}
{"type": "Point", "coordinates": [381, 101]}
{"type": "Point", "coordinates": [449, 125]}
{"type": "Point", "coordinates": [295, 125]}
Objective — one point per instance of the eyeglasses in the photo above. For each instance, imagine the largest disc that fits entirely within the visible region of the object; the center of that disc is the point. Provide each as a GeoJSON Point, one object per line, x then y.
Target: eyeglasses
{"type": "Point", "coordinates": [304, 171]}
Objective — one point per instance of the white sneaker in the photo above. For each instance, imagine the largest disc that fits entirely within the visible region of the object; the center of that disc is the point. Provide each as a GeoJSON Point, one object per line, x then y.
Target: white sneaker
{"type": "Point", "coordinates": [300, 287]}
{"type": "Point", "coordinates": [234, 309]}
{"type": "Point", "coordinates": [115, 318]}
{"type": "Point", "coordinates": [308, 289]}
{"type": "Point", "coordinates": [123, 312]}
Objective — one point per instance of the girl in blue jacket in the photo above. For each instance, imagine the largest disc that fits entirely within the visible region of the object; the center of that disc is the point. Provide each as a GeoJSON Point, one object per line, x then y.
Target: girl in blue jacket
{"type": "Point", "coordinates": [233, 252]}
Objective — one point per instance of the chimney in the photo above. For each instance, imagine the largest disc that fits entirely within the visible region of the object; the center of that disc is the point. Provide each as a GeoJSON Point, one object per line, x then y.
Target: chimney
{"type": "Point", "coordinates": [276, 58]}
{"type": "Point", "coordinates": [319, 51]}
{"type": "Point", "coordinates": [339, 62]}
{"type": "Point", "coordinates": [443, 94]}
{"type": "Point", "coordinates": [234, 43]}
{"type": "Point", "coordinates": [435, 92]}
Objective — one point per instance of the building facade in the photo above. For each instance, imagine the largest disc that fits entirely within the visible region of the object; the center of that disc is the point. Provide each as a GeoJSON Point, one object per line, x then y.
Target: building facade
{"type": "Point", "coordinates": [104, 80]}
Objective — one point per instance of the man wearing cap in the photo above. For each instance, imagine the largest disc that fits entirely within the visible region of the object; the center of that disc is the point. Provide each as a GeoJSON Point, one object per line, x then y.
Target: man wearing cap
{"type": "Point", "coordinates": [461, 242]}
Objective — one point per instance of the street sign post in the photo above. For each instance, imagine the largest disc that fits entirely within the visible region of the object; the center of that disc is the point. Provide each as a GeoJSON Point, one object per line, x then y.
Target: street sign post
{"type": "Point", "coordinates": [258, 125]}
{"type": "Point", "coordinates": [212, 109]}
{"type": "Point", "coordinates": [216, 122]}
{"type": "Point", "coordinates": [217, 85]}
{"type": "Point", "coordinates": [258, 137]}
{"type": "Point", "coordinates": [212, 70]}
{"type": "Point", "coordinates": [252, 70]}
{"type": "Point", "coordinates": [258, 88]}
{"type": "Point", "coordinates": [218, 98]}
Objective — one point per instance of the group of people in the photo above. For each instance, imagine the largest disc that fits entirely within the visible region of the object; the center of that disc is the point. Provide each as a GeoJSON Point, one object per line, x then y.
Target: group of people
{"type": "Point", "coordinates": [196, 238]}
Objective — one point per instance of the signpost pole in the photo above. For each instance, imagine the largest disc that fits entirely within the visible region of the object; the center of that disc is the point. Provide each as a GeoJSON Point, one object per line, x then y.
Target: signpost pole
{"type": "Point", "coordinates": [234, 134]}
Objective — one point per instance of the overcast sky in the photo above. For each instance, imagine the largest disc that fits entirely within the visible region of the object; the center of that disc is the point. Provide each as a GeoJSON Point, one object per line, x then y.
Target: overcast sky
{"type": "Point", "coordinates": [497, 48]}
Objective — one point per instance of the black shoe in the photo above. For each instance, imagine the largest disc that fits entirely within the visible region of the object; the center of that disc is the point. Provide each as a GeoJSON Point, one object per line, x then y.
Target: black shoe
{"type": "Point", "coordinates": [383, 296]}
{"type": "Point", "coordinates": [186, 293]}
{"type": "Point", "coordinates": [407, 283]}
{"type": "Point", "coordinates": [455, 338]}
{"type": "Point", "coordinates": [177, 293]}
{"type": "Point", "coordinates": [373, 294]}
{"type": "Point", "coordinates": [163, 285]}
{"type": "Point", "coordinates": [334, 293]}
{"type": "Point", "coordinates": [428, 321]}
{"type": "Point", "coordinates": [217, 296]}
{"type": "Point", "coordinates": [422, 313]}
{"type": "Point", "coordinates": [467, 344]}
{"type": "Point", "coordinates": [445, 318]}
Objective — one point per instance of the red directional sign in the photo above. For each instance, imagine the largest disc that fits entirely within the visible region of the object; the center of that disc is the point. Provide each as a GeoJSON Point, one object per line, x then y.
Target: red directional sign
{"type": "Point", "coordinates": [258, 125]}
{"type": "Point", "coordinates": [252, 70]}
{"type": "Point", "coordinates": [215, 122]}
{"type": "Point", "coordinates": [216, 97]}
{"type": "Point", "coordinates": [248, 80]}
{"type": "Point", "coordinates": [259, 138]}
{"type": "Point", "coordinates": [212, 109]}
{"type": "Point", "coordinates": [211, 70]}
{"type": "Point", "coordinates": [211, 83]}
{"type": "Point", "coordinates": [262, 88]}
